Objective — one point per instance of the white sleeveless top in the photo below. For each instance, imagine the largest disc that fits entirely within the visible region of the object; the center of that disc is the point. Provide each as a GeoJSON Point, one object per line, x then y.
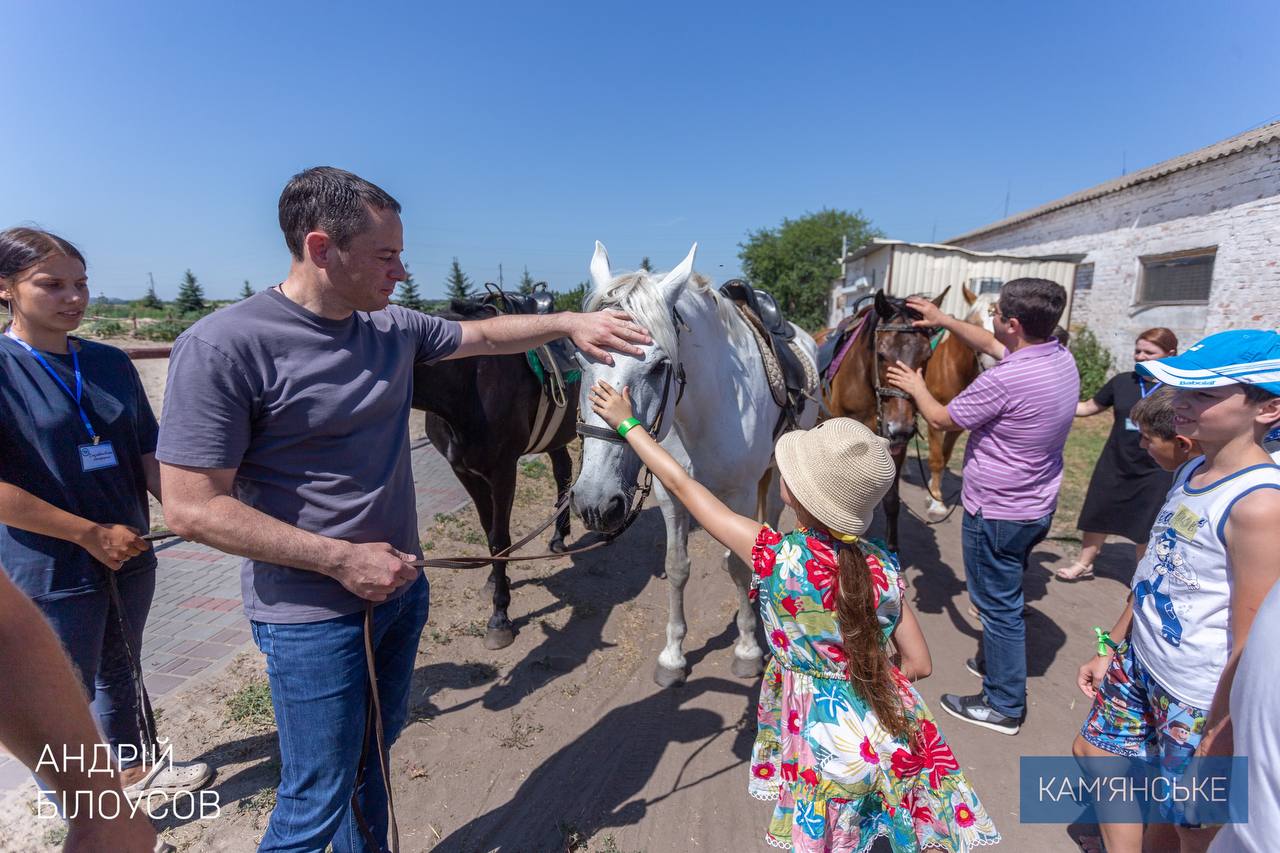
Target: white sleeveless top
{"type": "Point", "coordinates": [1182, 587]}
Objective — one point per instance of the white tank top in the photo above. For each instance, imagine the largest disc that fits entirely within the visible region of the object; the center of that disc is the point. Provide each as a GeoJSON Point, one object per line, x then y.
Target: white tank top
{"type": "Point", "coordinates": [1182, 587]}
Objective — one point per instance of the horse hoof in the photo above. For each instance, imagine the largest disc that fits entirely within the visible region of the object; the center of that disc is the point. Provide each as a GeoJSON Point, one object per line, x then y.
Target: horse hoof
{"type": "Point", "coordinates": [499, 638]}
{"type": "Point", "coordinates": [668, 677]}
{"type": "Point", "coordinates": [936, 511]}
{"type": "Point", "coordinates": [556, 546]}
{"type": "Point", "coordinates": [747, 667]}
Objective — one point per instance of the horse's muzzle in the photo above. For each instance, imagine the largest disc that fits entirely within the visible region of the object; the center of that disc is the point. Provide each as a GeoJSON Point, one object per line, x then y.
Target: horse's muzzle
{"type": "Point", "coordinates": [601, 518]}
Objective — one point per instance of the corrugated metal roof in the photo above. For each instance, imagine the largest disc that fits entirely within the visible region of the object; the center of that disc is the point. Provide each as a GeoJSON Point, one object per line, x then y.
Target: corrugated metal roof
{"type": "Point", "coordinates": [877, 244]}
{"type": "Point", "coordinates": [1227, 147]}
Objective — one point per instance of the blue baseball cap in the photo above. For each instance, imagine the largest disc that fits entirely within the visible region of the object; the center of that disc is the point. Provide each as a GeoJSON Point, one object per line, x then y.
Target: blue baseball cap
{"type": "Point", "coordinates": [1239, 356]}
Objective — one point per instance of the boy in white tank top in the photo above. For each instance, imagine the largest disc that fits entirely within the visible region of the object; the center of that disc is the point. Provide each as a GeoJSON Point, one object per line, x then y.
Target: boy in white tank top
{"type": "Point", "coordinates": [1211, 561]}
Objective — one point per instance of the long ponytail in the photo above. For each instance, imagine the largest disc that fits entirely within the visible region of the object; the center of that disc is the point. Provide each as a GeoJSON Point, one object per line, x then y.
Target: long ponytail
{"type": "Point", "coordinates": [870, 670]}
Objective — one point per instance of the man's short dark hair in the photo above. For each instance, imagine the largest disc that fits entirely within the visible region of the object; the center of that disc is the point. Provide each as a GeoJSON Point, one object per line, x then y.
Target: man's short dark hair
{"type": "Point", "coordinates": [1154, 414]}
{"type": "Point", "coordinates": [1037, 303]}
{"type": "Point", "coordinates": [330, 200]}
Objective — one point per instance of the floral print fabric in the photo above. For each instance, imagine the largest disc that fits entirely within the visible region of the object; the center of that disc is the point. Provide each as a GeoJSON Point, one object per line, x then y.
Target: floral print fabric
{"type": "Point", "coordinates": [840, 779]}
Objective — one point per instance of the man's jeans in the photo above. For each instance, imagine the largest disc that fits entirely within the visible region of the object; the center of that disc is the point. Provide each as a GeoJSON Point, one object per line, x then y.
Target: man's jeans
{"type": "Point", "coordinates": [320, 690]}
{"type": "Point", "coordinates": [90, 629]}
{"type": "Point", "coordinates": [995, 558]}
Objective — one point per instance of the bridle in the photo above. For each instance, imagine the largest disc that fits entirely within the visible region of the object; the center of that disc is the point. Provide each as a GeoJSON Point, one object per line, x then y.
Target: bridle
{"type": "Point", "coordinates": [883, 391]}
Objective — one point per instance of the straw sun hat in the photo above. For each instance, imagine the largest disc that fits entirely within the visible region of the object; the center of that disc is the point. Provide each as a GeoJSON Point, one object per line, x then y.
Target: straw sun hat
{"type": "Point", "coordinates": [838, 471]}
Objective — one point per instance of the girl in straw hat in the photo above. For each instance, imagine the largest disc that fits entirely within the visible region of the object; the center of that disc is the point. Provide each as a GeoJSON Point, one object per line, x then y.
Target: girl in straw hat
{"type": "Point", "coordinates": [845, 743]}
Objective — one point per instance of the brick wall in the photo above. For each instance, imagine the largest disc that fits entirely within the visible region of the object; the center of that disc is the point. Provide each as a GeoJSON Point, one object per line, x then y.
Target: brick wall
{"type": "Point", "coordinates": [1232, 203]}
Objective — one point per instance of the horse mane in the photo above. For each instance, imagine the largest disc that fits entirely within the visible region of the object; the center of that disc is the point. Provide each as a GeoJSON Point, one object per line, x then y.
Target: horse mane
{"type": "Point", "coordinates": [637, 294]}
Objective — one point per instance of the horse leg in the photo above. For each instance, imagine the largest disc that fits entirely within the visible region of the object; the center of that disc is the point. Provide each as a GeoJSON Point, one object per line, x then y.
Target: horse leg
{"type": "Point", "coordinates": [562, 470]}
{"type": "Point", "coordinates": [893, 503]}
{"type": "Point", "coordinates": [940, 444]}
{"type": "Point", "coordinates": [670, 670]}
{"type": "Point", "coordinates": [501, 632]}
{"type": "Point", "coordinates": [748, 657]}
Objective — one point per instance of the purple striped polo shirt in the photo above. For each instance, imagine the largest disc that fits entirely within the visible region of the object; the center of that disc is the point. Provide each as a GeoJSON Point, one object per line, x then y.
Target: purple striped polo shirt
{"type": "Point", "coordinates": [1018, 414]}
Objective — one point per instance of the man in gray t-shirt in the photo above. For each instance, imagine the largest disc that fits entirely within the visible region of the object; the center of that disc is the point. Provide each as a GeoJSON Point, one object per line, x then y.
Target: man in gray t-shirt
{"type": "Point", "coordinates": [284, 439]}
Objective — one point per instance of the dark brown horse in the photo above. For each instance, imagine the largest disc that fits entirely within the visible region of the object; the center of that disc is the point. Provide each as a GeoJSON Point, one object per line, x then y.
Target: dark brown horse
{"type": "Point", "coordinates": [481, 415]}
{"type": "Point", "coordinates": [859, 388]}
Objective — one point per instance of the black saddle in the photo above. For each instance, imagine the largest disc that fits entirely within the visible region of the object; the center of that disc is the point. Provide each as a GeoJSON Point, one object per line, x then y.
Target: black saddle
{"type": "Point", "coordinates": [779, 334]}
{"type": "Point", "coordinates": [540, 301]}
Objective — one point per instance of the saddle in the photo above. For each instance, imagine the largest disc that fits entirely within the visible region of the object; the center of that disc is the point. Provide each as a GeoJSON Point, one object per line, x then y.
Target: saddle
{"type": "Point", "coordinates": [833, 342]}
{"type": "Point", "coordinates": [540, 301]}
{"type": "Point", "coordinates": [777, 343]}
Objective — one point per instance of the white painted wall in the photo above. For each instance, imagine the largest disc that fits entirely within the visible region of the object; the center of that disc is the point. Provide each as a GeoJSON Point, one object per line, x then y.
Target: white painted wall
{"type": "Point", "coordinates": [1232, 203]}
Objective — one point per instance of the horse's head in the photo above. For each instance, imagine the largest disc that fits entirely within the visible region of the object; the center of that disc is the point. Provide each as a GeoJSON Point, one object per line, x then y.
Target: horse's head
{"type": "Point", "coordinates": [606, 481]}
{"type": "Point", "coordinates": [895, 339]}
{"type": "Point", "coordinates": [980, 305]}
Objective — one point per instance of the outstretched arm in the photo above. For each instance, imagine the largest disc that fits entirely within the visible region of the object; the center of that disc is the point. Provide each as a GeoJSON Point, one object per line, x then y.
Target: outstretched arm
{"type": "Point", "coordinates": [912, 381]}
{"type": "Point", "coordinates": [975, 337]}
{"type": "Point", "coordinates": [593, 333]}
{"type": "Point", "coordinates": [736, 532]}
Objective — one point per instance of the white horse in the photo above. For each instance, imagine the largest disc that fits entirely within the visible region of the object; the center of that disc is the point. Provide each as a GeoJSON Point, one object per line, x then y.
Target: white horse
{"type": "Point", "coordinates": [702, 382]}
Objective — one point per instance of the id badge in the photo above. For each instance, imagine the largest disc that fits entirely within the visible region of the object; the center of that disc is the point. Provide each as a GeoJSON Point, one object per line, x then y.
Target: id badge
{"type": "Point", "coordinates": [95, 457]}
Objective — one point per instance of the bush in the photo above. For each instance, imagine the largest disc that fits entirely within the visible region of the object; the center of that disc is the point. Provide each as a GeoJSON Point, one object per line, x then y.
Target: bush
{"type": "Point", "coordinates": [165, 330]}
{"type": "Point", "coordinates": [1092, 361]}
{"type": "Point", "coordinates": [103, 329]}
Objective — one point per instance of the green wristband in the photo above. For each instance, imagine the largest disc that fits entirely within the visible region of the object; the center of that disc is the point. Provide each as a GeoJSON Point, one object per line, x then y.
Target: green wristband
{"type": "Point", "coordinates": [627, 425]}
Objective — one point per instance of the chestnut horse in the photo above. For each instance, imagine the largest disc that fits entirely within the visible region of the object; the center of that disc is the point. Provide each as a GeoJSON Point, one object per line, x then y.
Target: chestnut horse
{"type": "Point", "coordinates": [858, 388]}
{"type": "Point", "coordinates": [951, 368]}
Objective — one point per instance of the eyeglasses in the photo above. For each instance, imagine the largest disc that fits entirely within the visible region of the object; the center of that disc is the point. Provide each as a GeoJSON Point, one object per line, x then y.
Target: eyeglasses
{"type": "Point", "coordinates": [993, 310]}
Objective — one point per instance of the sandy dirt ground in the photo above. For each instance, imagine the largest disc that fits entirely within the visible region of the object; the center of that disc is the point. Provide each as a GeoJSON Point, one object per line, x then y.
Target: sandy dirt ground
{"type": "Point", "coordinates": [562, 742]}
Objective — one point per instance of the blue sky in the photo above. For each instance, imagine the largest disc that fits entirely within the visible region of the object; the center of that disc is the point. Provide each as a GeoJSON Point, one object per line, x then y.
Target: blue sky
{"type": "Point", "coordinates": [158, 136]}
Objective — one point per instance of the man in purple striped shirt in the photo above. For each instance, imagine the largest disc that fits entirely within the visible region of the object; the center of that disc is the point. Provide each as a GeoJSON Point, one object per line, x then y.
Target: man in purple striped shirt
{"type": "Point", "coordinates": [1018, 413]}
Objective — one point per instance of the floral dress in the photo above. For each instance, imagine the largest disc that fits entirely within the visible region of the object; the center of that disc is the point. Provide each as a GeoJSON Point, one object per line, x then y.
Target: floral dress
{"type": "Point", "coordinates": [840, 779]}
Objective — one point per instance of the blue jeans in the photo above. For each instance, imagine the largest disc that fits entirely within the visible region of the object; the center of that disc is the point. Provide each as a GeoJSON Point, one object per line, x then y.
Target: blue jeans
{"type": "Point", "coordinates": [995, 557]}
{"type": "Point", "coordinates": [320, 691]}
{"type": "Point", "coordinates": [87, 624]}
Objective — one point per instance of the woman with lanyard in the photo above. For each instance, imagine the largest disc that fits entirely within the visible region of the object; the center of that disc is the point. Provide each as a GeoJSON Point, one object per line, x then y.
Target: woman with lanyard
{"type": "Point", "coordinates": [77, 463]}
{"type": "Point", "coordinates": [1127, 487]}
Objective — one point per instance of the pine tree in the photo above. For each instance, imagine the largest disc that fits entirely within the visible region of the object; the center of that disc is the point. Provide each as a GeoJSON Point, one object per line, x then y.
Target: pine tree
{"type": "Point", "coordinates": [457, 285]}
{"type": "Point", "coordinates": [645, 265]}
{"type": "Point", "coordinates": [151, 300]}
{"type": "Point", "coordinates": [407, 295]}
{"type": "Point", "coordinates": [526, 282]}
{"type": "Point", "coordinates": [571, 300]}
{"type": "Point", "coordinates": [190, 295]}
{"type": "Point", "coordinates": [246, 291]}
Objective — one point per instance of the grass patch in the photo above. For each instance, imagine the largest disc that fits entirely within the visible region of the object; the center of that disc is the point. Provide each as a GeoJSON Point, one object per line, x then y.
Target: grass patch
{"type": "Point", "coordinates": [251, 706]}
{"type": "Point", "coordinates": [534, 469]}
{"type": "Point", "coordinates": [573, 838]}
{"type": "Point", "coordinates": [261, 802]}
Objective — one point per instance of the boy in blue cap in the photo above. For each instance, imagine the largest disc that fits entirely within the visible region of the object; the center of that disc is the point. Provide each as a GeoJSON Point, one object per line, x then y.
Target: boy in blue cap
{"type": "Point", "coordinates": [1211, 561]}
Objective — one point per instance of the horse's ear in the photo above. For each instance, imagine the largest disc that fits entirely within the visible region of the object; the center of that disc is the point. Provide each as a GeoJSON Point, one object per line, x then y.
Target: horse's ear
{"type": "Point", "coordinates": [883, 307]}
{"type": "Point", "coordinates": [601, 275]}
{"type": "Point", "coordinates": [671, 283]}
{"type": "Point", "coordinates": [937, 300]}
{"type": "Point", "coordinates": [969, 296]}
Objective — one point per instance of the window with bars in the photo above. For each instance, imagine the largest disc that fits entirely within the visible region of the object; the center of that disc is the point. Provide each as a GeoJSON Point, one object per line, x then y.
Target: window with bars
{"type": "Point", "coordinates": [1180, 278]}
{"type": "Point", "coordinates": [1084, 277]}
{"type": "Point", "coordinates": [985, 285]}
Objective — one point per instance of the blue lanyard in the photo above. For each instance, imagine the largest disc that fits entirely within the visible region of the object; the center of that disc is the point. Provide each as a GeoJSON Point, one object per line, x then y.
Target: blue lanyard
{"type": "Point", "coordinates": [75, 363]}
{"type": "Point", "coordinates": [1144, 390]}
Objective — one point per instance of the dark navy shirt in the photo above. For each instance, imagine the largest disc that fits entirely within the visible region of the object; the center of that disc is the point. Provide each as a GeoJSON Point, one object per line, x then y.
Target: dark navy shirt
{"type": "Point", "coordinates": [40, 436]}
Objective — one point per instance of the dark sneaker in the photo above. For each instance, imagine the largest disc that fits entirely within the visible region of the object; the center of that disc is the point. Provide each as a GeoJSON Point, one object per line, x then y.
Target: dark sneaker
{"type": "Point", "coordinates": [974, 709]}
{"type": "Point", "coordinates": [972, 665]}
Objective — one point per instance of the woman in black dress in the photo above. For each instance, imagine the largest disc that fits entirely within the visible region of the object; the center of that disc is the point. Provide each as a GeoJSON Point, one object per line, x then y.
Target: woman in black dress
{"type": "Point", "coordinates": [1127, 487]}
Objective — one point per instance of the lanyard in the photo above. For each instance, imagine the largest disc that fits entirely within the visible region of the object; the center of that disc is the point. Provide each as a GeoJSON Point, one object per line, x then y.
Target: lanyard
{"type": "Point", "coordinates": [1144, 390]}
{"type": "Point", "coordinates": [74, 395]}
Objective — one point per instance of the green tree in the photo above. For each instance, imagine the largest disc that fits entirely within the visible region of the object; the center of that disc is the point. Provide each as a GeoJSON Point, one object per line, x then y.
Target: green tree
{"type": "Point", "coordinates": [526, 282]}
{"type": "Point", "coordinates": [1093, 361]}
{"type": "Point", "coordinates": [190, 295]}
{"type": "Point", "coordinates": [571, 300]}
{"type": "Point", "coordinates": [151, 300]}
{"type": "Point", "coordinates": [457, 285]}
{"type": "Point", "coordinates": [246, 291]}
{"type": "Point", "coordinates": [645, 265]}
{"type": "Point", "coordinates": [796, 261]}
{"type": "Point", "coordinates": [407, 295]}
